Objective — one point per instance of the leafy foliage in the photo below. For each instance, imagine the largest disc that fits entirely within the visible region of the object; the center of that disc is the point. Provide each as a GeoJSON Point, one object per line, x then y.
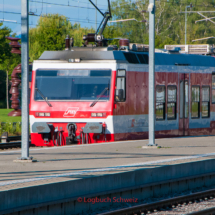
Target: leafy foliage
{"type": "Point", "coordinates": [7, 62]}
{"type": "Point", "coordinates": [4, 46]}
{"type": "Point", "coordinates": [50, 34]}
{"type": "Point", "coordinates": [169, 21]}
{"type": "Point", "coordinates": [11, 128]}
{"type": "Point", "coordinates": [52, 29]}
{"type": "Point", "coordinates": [2, 85]}
{"type": "Point", "coordinates": [77, 33]}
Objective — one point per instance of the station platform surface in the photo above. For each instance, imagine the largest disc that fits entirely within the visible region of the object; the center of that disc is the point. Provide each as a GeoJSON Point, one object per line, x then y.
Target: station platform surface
{"type": "Point", "coordinates": [58, 164]}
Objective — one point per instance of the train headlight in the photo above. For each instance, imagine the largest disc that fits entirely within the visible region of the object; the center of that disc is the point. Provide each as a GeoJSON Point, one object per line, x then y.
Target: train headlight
{"type": "Point", "coordinates": [76, 60]}
{"type": "Point", "coordinates": [43, 114]}
{"type": "Point", "coordinates": [98, 114]}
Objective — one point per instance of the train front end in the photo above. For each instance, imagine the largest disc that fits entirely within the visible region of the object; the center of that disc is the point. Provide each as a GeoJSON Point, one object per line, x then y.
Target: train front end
{"type": "Point", "coordinates": [71, 100]}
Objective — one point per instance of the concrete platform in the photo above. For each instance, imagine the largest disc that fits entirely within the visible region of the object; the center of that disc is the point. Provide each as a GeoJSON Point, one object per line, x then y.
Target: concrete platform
{"type": "Point", "coordinates": [83, 170]}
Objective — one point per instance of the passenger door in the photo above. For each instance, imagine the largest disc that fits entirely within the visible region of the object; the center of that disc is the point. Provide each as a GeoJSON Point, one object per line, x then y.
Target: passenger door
{"type": "Point", "coordinates": [183, 104]}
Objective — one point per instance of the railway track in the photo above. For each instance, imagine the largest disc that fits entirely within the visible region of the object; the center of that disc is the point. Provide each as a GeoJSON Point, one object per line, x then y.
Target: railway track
{"type": "Point", "coordinates": [208, 211]}
{"type": "Point", "coordinates": [13, 142]}
{"type": "Point", "coordinates": [166, 204]}
{"type": "Point", "coordinates": [10, 145]}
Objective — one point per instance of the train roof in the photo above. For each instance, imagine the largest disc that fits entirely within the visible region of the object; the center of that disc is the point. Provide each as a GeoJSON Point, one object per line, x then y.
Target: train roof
{"type": "Point", "coordinates": [130, 57]}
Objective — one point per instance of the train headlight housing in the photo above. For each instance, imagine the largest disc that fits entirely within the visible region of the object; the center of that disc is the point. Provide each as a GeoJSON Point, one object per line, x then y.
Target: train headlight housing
{"type": "Point", "coordinates": [93, 114]}
{"type": "Point", "coordinates": [99, 114]}
{"type": "Point", "coordinates": [47, 114]}
{"type": "Point", "coordinates": [41, 114]}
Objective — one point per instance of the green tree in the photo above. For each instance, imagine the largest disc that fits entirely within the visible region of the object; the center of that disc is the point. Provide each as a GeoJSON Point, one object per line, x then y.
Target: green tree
{"type": "Point", "coordinates": [77, 32]}
{"type": "Point", "coordinates": [5, 64]}
{"type": "Point", "coordinates": [4, 45]}
{"type": "Point", "coordinates": [169, 21]}
{"type": "Point", "coordinates": [50, 34]}
{"type": "Point", "coordinates": [8, 66]}
{"type": "Point", "coordinates": [133, 30]}
{"type": "Point", "coordinates": [112, 32]}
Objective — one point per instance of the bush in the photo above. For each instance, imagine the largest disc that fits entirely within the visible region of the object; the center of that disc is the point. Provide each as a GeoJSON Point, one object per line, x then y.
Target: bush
{"type": "Point", "coordinates": [11, 128]}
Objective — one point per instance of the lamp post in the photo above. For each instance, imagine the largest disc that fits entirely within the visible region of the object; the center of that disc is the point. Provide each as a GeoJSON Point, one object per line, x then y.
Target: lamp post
{"type": "Point", "coordinates": [96, 16]}
{"type": "Point", "coordinates": [151, 86]}
{"type": "Point", "coordinates": [189, 6]}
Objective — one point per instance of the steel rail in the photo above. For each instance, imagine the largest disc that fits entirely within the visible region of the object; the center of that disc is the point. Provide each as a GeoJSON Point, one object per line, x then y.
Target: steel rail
{"type": "Point", "coordinates": [14, 138]}
{"type": "Point", "coordinates": [165, 203]}
{"type": "Point", "coordinates": [12, 145]}
{"type": "Point", "coordinates": [13, 142]}
{"type": "Point", "coordinates": [208, 211]}
{"type": "Point", "coordinates": [137, 208]}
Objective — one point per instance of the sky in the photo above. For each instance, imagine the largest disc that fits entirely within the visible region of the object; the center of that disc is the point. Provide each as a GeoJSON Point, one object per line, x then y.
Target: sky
{"type": "Point", "coordinates": [77, 11]}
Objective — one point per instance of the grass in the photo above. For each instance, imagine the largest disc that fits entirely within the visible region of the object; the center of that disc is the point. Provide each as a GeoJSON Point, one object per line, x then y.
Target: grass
{"type": "Point", "coordinates": [9, 126]}
{"type": "Point", "coordinates": [5, 118]}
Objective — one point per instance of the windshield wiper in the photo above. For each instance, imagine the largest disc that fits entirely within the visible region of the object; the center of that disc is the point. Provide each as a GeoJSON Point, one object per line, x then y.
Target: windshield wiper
{"type": "Point", "coordinates": [43, 97]}
{"type": "Point", "coordinates": [102, 93]}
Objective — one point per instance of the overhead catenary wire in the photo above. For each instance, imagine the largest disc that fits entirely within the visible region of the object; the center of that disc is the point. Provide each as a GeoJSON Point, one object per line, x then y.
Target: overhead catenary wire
{"type": "Point", "coordinates": [56, 4]}
{"type": "Point", "coordinates": [65, 5]}
{"type": "Point", "coordinates": [43, 2]}
{"type": "Point", "coordinates": [3, 9]}
{"type": "Point", "coordinates": [42, 8]}
{"type": "Point", "coordinates": [93, 8]}
{"type": "Point", "coordinates": [165, 1]}
{"type": "Point", "coordinates": [69, 2]}
{"type": "Point", "coordinates": [5, 20]}
{"type": "Point", "coordinates": [70, 19]}
{"type": "Point", "coordinates": [206, 38]}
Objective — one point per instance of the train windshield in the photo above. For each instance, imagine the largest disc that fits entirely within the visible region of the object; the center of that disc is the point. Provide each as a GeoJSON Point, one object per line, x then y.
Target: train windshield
{"type": "Point", "coordinates": [72, 84]}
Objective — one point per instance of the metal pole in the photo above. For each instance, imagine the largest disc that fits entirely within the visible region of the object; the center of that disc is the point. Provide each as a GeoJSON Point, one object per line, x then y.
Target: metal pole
{"type": "Point", "coordinates": [96, 17]}
{"type": "Point", "coordinates": [25, 80]}
{"type": "Point", "coordinates": [185, 25]}
{"type": "Point", "coordinates": [151, 85]}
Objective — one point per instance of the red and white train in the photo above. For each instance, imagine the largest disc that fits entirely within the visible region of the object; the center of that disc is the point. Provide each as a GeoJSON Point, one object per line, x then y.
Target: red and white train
{"type": "Point", "coordinates": [93, 95]}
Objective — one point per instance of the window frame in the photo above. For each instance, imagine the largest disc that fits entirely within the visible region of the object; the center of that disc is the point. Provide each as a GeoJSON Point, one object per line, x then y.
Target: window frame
{"type": "Point", "coordinates": [181, 101]}
{"type": "Point", "coordinates": [116, 85]}
{"type": "Point", "coordinates": [198, 102]}
{"type": "Point", "coordinates": [57, 100]}
{"type": "Point", "coordinates": [188, 104]}
{"type": "Point", "coordinates": [170, 118]}
{"type": "Point", "coordinates": [164, 108]}
{"type": "Point", "coordinates": [206, 86]}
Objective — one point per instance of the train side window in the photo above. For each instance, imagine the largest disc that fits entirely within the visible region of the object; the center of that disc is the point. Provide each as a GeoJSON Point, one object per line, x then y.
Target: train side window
{"type": "Point", "coordinates": [171, 102]}
{"type": "Point", "coordinates": [181, 103]}
{"type": "Point", "coordinates": [120, 93]}
{"type": "Point", "coordinates": [160, 102]}
{"type": "Point", "coordinates": [213, 87]}
{"type": "Point", "coordinates": [195, 106]}
{"type": "Point", "coordinates": [205, 101]}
